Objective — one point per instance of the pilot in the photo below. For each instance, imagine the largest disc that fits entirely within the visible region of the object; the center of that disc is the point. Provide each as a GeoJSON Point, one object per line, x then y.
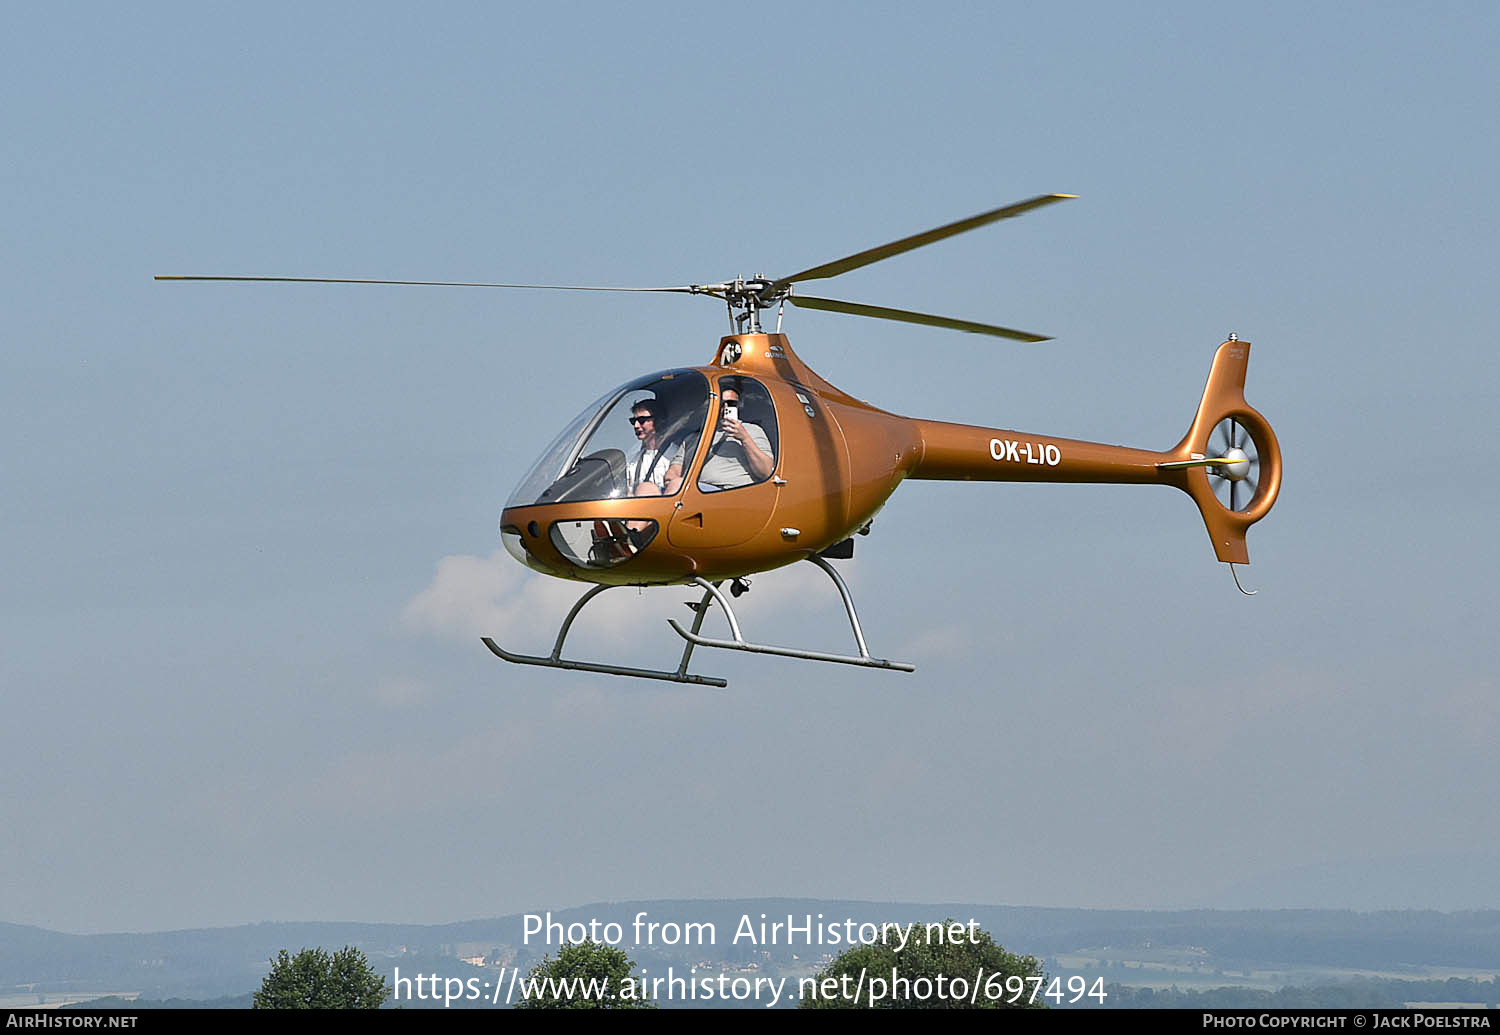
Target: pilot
{"type": "Point", "coordinates": [656, 468]}
{"type": "Point", "coordinates": [740, 453]}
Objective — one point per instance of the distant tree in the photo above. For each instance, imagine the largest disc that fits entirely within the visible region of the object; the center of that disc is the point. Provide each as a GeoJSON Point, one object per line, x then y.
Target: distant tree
{"type": "Point", "coordinates": [585, 976]}
{"type": "Point", "coordinates": [918, 967]}
{"type": "Point", "coordinates": [314, 980]}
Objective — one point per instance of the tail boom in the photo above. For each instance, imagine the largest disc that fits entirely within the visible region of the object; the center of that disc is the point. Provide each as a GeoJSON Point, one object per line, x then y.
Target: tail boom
{"type": "Point", "coordinates": [961, 452]}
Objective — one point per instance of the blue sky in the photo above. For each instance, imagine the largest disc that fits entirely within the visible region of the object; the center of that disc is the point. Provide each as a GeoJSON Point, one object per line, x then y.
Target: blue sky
{"type": "Point", "coordinates": [251, 530]}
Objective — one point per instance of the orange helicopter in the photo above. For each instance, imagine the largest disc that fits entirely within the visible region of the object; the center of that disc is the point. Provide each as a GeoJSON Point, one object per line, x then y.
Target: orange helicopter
{"type": "Point", "coordinates": [706, 475]}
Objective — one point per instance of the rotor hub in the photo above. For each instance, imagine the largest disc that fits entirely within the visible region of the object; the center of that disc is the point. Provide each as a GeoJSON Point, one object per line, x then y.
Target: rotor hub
{"type": "Point", "coordinates": [746, 298]}
{"type": "Point", "coordinates": [1238, 468]}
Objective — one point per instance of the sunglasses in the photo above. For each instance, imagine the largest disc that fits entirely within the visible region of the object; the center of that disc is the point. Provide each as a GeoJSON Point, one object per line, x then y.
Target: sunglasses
{"type": "Point", "coordinates": [641, 420]}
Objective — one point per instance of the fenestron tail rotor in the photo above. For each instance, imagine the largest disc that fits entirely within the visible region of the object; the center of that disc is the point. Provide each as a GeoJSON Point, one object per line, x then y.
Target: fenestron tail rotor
{"type": "Point", "coordinates": [1236, 475]}
{"type": "Point", "coordinates": [746, 298]}
{"type": "Point", "coordinates": [1229, 460]}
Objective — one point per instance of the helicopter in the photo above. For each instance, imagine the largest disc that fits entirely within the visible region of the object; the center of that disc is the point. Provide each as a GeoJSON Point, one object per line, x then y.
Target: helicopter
{"type": "Point", "coordinates": [702, 476]}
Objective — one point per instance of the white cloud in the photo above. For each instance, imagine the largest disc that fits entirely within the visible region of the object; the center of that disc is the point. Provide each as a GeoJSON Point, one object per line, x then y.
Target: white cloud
{"type": "Point", "coordinates": [472, 596]}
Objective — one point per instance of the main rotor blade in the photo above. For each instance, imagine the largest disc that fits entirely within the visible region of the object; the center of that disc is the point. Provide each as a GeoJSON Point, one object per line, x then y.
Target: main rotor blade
{"type": "Point", "coordinates": [437, 283]}
{"type": "Point", "coordinates": [833, 305]}
{"type": "Point", "coordinates": [906, 244]}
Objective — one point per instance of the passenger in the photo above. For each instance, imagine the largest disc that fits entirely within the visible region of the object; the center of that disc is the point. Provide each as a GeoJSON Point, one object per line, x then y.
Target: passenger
{"type": "Point", "coordinates": [740, 453]}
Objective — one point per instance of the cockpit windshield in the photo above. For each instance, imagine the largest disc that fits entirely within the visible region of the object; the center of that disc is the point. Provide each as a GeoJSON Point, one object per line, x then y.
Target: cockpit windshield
{"type": "Point", "coordinates": [634, 441]}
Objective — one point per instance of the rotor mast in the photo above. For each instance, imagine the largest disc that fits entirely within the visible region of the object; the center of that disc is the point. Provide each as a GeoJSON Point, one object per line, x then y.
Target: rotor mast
{"type": "Point", "coordinates": [746, 298]}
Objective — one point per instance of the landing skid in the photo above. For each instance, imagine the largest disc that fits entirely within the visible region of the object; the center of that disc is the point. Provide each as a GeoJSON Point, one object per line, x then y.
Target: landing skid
{"type": "Point", "coordinates": [739, 642]}
{"type": "Point", "coordinates": [694, 639]}
{"type": "Point", "coordinates": [556, 660]}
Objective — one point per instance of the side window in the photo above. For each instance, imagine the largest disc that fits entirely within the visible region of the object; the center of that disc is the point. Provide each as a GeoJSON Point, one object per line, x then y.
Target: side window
{"type": "Point", "coordinates": [743, 449]}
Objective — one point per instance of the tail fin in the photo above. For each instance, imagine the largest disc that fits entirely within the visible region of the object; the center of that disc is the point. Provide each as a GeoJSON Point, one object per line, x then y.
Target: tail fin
{"type": "Point", "coordinates": [1229, 461]}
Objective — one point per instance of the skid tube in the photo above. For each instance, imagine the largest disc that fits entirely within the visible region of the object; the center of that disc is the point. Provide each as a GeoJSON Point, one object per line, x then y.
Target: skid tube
{"type": "Point", "coordinates": [556, 660]}
{"type": "Point", "coordinates": [740, 643]}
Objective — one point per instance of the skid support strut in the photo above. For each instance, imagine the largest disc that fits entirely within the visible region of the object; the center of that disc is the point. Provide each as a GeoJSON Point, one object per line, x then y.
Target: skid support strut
{"type": "Point", "coordinates": [556, 660]}
{"type": "Point", "coordinates": [739, 642]}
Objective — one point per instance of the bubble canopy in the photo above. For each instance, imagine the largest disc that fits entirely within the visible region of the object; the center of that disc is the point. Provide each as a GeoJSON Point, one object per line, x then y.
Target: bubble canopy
{"type": "Point", "coordinates": [630, 434]}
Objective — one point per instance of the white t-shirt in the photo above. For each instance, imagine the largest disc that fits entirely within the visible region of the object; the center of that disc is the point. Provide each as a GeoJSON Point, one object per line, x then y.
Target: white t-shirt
{"type": "Point", "coordinates": [728, 465]}
{"type": "Point", "coordinates": [651, 465]}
